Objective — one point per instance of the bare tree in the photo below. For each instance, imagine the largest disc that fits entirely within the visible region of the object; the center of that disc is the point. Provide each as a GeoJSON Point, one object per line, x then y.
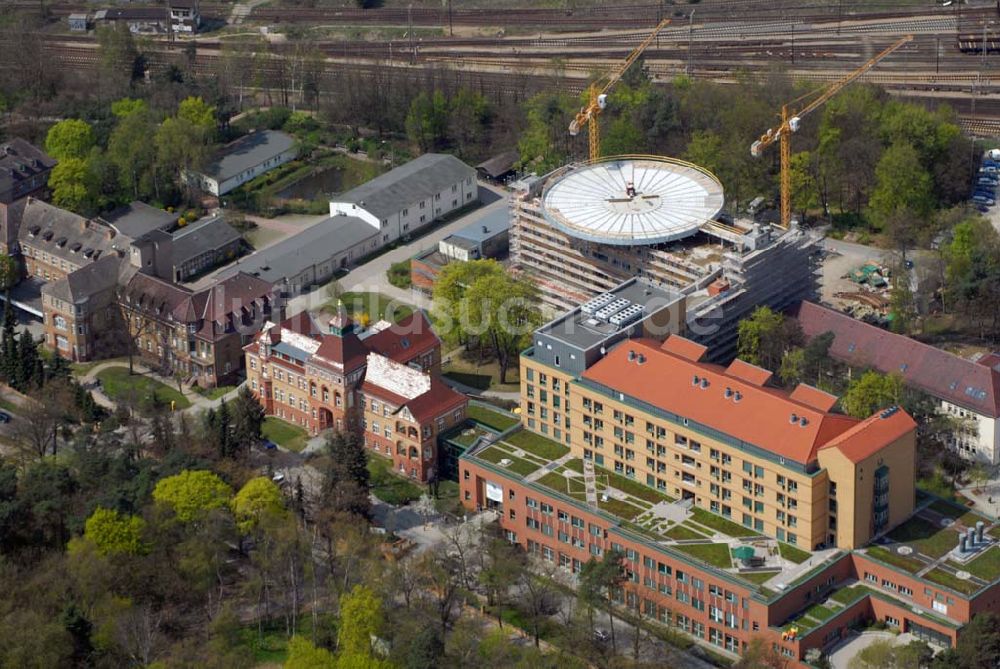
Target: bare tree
{"type": "Point", "coordinates": [37, 426]}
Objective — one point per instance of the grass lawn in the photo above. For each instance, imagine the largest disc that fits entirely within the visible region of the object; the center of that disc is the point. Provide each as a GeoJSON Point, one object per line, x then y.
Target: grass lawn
{"type": "Point", "coordinates": [958, 512]}
{"type": "Point", "coordinates": [8, 406]}
{"type": "Point", "coordinates": [118, 384]}
{"type": "Point", "coordinates": [214, 393]}
{"type": "Point", "coordinates": [925, 536]}
{"type": "Point", "coordinates": [714, 554]}
{"type": "Point", "coordinates": [285, 434]}
{"type": "Point", "coordinates": [947, 579]}
{"type": "Point", "coordinates": [517, 465]}
{"type": "Point", "coordinates": [480, 375]}
{"type": "Point", "coordinates": [631, 487]}
{"type": "Point", "coordinates": [986, 566]}
{"type": "Point", "coordinates": [617, 507]}
{"type": "Point", "coordinates": [447, 500]}
{"type": "Point", "coordinates": [847, 595]}
{"type": "Point", "coordinates": [576, 464]}
{"type": "Point", "coordinates": [901, 561]}
{"type": "Point", "coordinates": [468, 439]}
{"type": "Point", "coordinates": [375, 305]}
{"type": "Point", "coordinates": [388, 486]}
{"type": "Point", "coordinates": [491, 419]}
{"type": "Point", "coordinates": [558, 483]}
{"type": "Point", "coordinates": [758, 577]}
{"type": "Point", "coordinates": [789, 552]}
{"type": "Point", "coordinates": [82, 368]}
{"type": "Point", "coordinates": [819, 612]}
{"type": "Point", "coordinates": [720, 524]}
{"type": "Point", "coordinates": [543, 447]}
{"type": "Point", "coordinates": [682, 533]}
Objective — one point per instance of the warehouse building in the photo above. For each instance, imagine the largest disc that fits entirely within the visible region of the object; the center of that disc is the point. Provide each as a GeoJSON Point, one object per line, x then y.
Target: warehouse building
{"type": "Point", "coordinates": [245, 159]}
{"type": "Point", "coordinates": [402, 201]}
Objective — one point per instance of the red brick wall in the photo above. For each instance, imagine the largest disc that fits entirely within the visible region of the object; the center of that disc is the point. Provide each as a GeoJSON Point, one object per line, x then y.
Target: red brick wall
{"type": "Point", "coordinates": [958, 611]}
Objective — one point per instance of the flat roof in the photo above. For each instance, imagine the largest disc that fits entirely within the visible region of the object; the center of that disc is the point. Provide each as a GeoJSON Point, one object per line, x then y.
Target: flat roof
{"type": "Point", "coordinates": [625, 202]}
{"type": "Point", "coordinates": [487, 227]}
{"type": "Point", "coordinates": [137, 219]}
{"type": "Point", "coordinates": [583, 331]}
{"type": "Point", "coordinates": [246, 152]}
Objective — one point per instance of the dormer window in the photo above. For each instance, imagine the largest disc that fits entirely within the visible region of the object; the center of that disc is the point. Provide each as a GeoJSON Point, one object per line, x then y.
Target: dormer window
{"type": "Point", "coordinates": [47, 235]}
{"type": "Point", "coordinates": [61, 242]}
{"type": "Point", "coordinates": [75, 247]}
{"type": "Point", "coordinates": [33, 230]}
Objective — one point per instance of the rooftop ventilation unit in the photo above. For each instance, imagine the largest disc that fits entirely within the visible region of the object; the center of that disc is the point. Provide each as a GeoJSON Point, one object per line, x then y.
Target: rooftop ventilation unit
{"type": "Point", "coordinates": [640, 359]}
{"type": "Point", "coordinates": [695, 380]}
{"type": "Point", "coordinates": [631, 356]}
{"type": "Point", "coordinates": [627, 316]}
{"type": "Point", "coordinates": [794, 419]}
{"type": "Point", "coordinates": [606, 312]}
{"type": "Point", "coordinates": [737, 396]}
{"type": "Point", "coordinates": [591, 306]}
{"type": "Point", "coordinates": [729, 392]}
{"type": "Point", "coordinates": [704, 383]}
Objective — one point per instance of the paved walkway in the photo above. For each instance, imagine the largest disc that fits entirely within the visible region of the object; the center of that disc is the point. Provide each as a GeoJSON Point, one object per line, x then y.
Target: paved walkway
{"type": "Point", "coordinates": [198, 402]}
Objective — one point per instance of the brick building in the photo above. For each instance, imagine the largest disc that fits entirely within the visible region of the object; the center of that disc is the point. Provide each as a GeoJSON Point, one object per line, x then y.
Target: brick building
{"type": "Point", "coordinates": [382, 382]}
{"type": "Point", "coordinates": [740, 509]}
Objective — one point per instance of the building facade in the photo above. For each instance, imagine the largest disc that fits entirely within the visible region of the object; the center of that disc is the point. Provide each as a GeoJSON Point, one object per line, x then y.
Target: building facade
{"type": "Point", "coordinates": [380, 383]}
{"type": "Point", "coordinates": [411, 196]}
{"type": "Point", "coordinates": [245, 159]}
{"type": "Point", "coordinates": [967, 391]}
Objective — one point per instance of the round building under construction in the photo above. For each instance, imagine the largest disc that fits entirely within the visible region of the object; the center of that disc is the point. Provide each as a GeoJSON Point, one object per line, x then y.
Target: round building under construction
{"type": "Point", "coordinates": [586, 227]}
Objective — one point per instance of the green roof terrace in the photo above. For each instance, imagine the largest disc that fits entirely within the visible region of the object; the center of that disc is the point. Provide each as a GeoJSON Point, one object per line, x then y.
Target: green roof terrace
{"type": "Point", "coordinates": [763, 563]}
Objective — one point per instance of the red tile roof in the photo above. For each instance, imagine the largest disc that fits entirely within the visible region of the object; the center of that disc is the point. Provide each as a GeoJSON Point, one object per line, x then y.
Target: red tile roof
{"type": "Point", "coordinates": [936, 372]}
{"type": "Point", "coordinates": [758, 376]}
{"type": "Point", "coordinates": [813, 397]}
{"type": "Point", "coordinates": [684, 348]}
{"type": "Point", "coordinates": [867, 437]}
{"type": "Point", "coordinates": [346, 350]}
{"type": "Point", "coordinates": [768, 418]}
{"type": "Point", "coordinates": [410, 338]}
{"type": "Point", "coordinates": [425, 407]}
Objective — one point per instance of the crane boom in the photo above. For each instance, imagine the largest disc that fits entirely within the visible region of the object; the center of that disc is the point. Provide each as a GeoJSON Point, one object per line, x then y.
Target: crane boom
{"type": "Point", "coordinates": [598, 92]}
{"type": "Point", "coordinates": [790, 123]}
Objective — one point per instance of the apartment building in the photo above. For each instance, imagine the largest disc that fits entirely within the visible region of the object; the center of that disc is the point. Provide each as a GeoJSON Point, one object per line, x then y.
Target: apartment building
{"type": "Point", "coordinates": [968, 391]}
{"type": "Point", "coordinates": [381, 383]}
{"type": "Point", "coordinates": [55, 242]}
{"type": "Point", "coordinates": [741, 510]}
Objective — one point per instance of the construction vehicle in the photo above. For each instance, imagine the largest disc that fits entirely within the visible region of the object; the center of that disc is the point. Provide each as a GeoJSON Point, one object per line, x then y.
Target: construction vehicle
{"type": "Point", "coordinates": [598, 94]}
{"type": "Point", "coordinates": [791, 120]}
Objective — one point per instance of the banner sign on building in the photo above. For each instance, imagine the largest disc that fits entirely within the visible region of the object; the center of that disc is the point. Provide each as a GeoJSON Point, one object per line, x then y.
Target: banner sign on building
{"type": "Point", "coordinates": [494, 492]}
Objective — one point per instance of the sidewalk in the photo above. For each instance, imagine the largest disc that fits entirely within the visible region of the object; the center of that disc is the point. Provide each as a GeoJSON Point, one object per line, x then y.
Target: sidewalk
{"type": "Point", "coordinates": [198, 402]}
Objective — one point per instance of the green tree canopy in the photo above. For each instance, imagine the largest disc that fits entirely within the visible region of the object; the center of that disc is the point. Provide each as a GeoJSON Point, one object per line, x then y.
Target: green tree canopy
{"type": "Point", "coordinates": [128, 106]}
{"type": "Point", "coordinates": [192, 494]}
{"type": "Point", "coordinates": [257, 498]}
{"type": "Point", "coordinates": [902, 183]}
{"type": "Point", "coordinates": [871, 392]}
{"type": "Point", "coordinates": [68, 181]}
{"type": "Point", "coordinates": [765, 336]}
{"type": "Point", "coordinates": [303, 654]}
{"type": "Point", "coordinates": [71, 138]}
{"type": "Point", "coordinates": [114, 533]}
{"type": "Point", "coordinates": [199, 114]}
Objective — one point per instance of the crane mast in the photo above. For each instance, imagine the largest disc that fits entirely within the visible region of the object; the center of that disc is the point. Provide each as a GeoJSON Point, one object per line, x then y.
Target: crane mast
{"type": "Point", "coordinates": [790, 121]}
{"type": "Point", "coordinates": [598, 92]}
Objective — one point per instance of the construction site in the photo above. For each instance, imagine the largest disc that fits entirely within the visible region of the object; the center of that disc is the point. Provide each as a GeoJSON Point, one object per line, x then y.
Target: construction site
{"type": "Point", "coordinates": [586, 227]}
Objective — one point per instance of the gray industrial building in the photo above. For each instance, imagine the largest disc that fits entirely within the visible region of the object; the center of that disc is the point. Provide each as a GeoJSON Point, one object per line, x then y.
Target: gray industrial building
{"type": "Point", "coordinates": [312, 256]}
{"type": "Point", "coordinates": [244, 159]}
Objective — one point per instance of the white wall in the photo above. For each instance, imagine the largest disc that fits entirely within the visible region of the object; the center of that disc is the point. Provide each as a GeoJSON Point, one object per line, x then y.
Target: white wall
{"type": "Point", "coordinates": [416, 215]}
{"type": "Point", "coordinates": [984, 445]}
{"type": "Point", "coordinates": [247, 175]}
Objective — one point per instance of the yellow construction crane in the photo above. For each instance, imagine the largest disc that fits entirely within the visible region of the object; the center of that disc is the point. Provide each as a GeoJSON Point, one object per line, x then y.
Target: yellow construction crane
{"type": "Point", "coordinates": [599, 94]}
{"type": "Point", "coordinates": [790, 123]}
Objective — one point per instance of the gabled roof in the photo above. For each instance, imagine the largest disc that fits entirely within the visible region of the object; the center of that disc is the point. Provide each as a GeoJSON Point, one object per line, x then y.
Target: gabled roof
{"type": "Point", "coordinates": [345, 352]}
{"type": "Point", "coordinates": [138, 219]}
{"type": "Point", "coordinates": [944, 375]}
{"type": "Point", "coordinates": [21, 160]}
{"type": "Point", "coordinates": [499, 164]}
{"type": "Point", "coordinates": [247, 152]}
{"type": "Point", "coordinates": [161, 298]}
{"type": "Point", "coordinates": [671, 378]}
{"type": "Point", "coordinates": [405, 340]}
{"type": "Point", "coordinates": [66, 235]}
{"type": "Point", "coordinates": [865, 438]}
{"type": "Point", "coordinates": [425, 396]}
{"type": "Point", "coordinates": [417, 180]}
{"type": "Point", "coordinates": [87, 281]}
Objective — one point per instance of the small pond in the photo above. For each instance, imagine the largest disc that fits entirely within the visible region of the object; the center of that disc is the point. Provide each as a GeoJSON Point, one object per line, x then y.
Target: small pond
{"type": "Point", "coordinates": [318, 184]}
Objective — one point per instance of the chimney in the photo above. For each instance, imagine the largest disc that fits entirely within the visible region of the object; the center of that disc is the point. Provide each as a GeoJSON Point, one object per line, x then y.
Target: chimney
{"type": "Point", "coordinates": [979, 531]}
{"type": "Point", "coordinates": [971, 533]}
{"type": "Point", "coordinates": [962, 547]}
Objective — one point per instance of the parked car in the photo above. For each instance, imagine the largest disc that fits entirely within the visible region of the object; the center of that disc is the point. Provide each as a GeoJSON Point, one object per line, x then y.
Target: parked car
{"type": "Point", "coordinates": [908, 264]}
{"type": "Point", "coordinates": [983, 199]}
{"type": "Point", "coordinates": [983, 209]}
{"type": "Point", "coordinates": [603, 636]}
{"type": "Point", "coordinates": [4, 417]}
{"type": "Point", "coordinates": [278, 478]}
{"type": "Point", "coordinates": [269, 445]}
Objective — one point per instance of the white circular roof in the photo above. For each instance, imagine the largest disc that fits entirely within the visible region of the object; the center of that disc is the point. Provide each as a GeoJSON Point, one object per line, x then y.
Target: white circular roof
{"type": "Point", "coordinates": [670, 200]}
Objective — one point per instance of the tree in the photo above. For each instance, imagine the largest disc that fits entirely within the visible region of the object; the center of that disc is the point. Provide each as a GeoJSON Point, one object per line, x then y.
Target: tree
{"type": "Point", "coordinates": [426, 122]}
{"type": "Point", "coordinates": [345, 481]}
{"type": "Point", "coordinates": [765, 336]}
{"type": "Point", "coordinates": [131, 151]}
{"type": "Point", "coordinates": [258, 497]}
{"type": "Point", "coordinates": [113, 533]}
{"type": "Point", "coordinates": [503, 565]}
{"type": "Point", "coordinates": [302, 654]}
{"type": "Point", "coordinates": [902, 184]}
{"type": "Point", "coordinates": [979, 645]}
{"type": "Point", "coordinates": [248, 420]}
{"type": "Point", "coordinates": [505, 311]}
{"type": "Point", "coordinates": [68, 181]}
{"type": "Point", "coordinates": [599, 579]}
{"type": "Point", "coordinates": [192, 494]}
{"type": "Point", "coordinates": [871, 392]}
{"type": "Point", "coordinates": [200, 115]}
{"type": "Point", "coordinates": [71, 138]}
{"type": "Point", "coordinates": [760, 655]}
{"type": "Point", "coordinates": [361, 619]}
